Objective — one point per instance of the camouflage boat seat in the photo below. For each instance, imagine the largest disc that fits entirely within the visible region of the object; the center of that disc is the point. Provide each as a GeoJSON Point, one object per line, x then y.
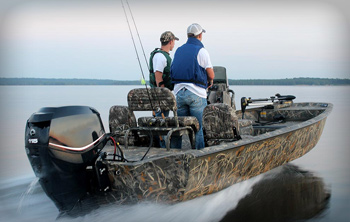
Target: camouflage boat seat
{"type": "Point", "coordinates": [245, 127]}
{"type": "Point", "coordinates": [169, 121]}
{"type": "Point", "coordinates": [153, 99]}
{"type": "Point", "coordinates": [120, 119]}
{"type": "Point", "coordinates": [220, 123]}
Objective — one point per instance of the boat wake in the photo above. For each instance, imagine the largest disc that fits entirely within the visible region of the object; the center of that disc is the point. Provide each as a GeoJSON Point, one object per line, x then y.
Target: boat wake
{"type": "Point", "coordinates": [206, 208]}
{"type": "Point", "coordinates": [33, 204]}
{"type": "Point", "coordinates": [29, 191]}
{"type": "Point", "coordinates": [284, 193]}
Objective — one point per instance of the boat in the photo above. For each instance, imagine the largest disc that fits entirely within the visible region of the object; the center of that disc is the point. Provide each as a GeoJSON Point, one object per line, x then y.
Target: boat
{"type": "Point", "coordinates": [75, 158]}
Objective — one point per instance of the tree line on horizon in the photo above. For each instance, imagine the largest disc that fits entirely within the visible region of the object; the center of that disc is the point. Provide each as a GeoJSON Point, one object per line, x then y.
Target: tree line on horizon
{"type": "Point", "coordinates": [292, 81]}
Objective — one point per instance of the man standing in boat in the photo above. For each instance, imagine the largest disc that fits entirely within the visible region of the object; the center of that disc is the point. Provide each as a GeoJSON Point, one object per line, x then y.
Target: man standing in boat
{"type": "Point", "coordinates": [160, 63]}
{"type": "Point", "coordinates": [192, 73]}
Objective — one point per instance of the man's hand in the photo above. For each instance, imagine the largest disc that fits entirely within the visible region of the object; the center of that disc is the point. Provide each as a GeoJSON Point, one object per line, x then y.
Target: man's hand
{"type": "Point", "coordinates": [210, 83]}
{"type": "Point", "coordinates": [211, 75]}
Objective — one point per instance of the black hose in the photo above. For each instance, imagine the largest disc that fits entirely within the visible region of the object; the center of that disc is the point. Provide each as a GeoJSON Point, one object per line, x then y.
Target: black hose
{"type": "Point", "coordinates": [150, 145]}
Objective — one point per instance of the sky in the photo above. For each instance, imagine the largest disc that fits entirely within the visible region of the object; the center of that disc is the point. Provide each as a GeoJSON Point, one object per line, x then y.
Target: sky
{"type": "Point", "coordinates": [264, 39]}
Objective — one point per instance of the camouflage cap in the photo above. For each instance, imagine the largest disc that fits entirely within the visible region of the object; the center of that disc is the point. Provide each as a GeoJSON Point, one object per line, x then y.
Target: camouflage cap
{"type": "Point", "coordinates": [168, 36]}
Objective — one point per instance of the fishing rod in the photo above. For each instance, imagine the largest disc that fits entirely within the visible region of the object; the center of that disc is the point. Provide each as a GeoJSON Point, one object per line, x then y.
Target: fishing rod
{"type": "Point", "coordinates": [132, 37]}
{"type": "Point", "coordinates": [137, 31]}
{"type": "Point", "coordinates": [137, 54]}
{"type": "Point", "coordinates": [144, 55]}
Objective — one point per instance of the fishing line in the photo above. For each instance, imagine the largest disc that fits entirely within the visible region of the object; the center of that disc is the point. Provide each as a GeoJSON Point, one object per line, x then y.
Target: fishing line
{"type": "Point", "coordinates": [155, 93]}
{"type": "Point", "coordinates": [137, 54]}
{"type": "Point", "coordinates": [144, 55]}
{"type": "Point", "coordinates": [138, 59]}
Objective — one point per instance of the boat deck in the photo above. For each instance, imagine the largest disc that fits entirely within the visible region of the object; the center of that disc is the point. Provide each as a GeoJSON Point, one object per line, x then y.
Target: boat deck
{"type": "Point", "coordinates": [135, 153]}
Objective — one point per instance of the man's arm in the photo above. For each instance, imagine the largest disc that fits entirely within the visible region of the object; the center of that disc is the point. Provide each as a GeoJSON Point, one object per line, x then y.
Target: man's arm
{"type": "Point", "coordinates": [211, 75]}
{"type": "Point", "coordinates": [159, 78]}
{"type": "Point", "coordinates": [204, 61]}
{"type": "Point", "coordinates": [159, 64]}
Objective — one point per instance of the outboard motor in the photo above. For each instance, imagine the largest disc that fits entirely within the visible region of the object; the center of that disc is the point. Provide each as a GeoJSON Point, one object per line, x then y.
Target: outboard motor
{"type": "Point", "coordinates": [62, 144]}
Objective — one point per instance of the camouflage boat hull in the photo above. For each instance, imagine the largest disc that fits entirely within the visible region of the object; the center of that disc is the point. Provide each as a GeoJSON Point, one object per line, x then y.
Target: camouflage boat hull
{"type": "Point", "coordinates": [183, 174]}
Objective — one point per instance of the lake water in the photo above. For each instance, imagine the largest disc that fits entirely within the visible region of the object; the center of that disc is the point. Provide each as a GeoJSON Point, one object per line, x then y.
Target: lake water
{"type": "Point", "coordinates": [297, 191]}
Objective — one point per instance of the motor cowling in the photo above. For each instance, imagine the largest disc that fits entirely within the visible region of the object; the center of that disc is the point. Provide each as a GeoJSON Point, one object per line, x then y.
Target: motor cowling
{"type": "Point", "coordinates": [62, 144]}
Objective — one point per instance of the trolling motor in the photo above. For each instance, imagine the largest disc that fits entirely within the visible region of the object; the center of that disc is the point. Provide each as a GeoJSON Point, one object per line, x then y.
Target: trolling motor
{"type": "Point", "coordinates": [264, 101]}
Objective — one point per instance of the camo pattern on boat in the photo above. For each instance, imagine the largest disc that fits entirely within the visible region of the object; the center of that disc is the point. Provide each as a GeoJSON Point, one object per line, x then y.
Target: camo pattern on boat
{"type": "Point", "coordinates": [217, 171]}
{"type": "Point", "coordinates": [169, 122]}
{"type": "Point", "coordinates": [143, 99]}
{"type": "Point", "coordinates": [163, 179]}
{"type": "Point", "coordinates": [184, 177]}
{"type": "Point", "coordinates": [219, 119]}
{"type": "Point", "coordinates": [120, 118]}
{"type": "Point", "coordinates": [186, 174]}
{"type": "Point", "coordinates": [245, 127]}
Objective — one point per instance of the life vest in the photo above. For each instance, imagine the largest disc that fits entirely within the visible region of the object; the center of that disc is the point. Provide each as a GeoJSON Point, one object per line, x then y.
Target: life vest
{"type": "Point", "coordinates": [166, 72]}
{"type": "Point", "coordinates": [185, 67]}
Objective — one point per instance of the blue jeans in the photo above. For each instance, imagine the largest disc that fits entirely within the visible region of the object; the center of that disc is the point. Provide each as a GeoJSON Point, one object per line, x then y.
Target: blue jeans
{"type": "Point", "coordinates": [189, 104]}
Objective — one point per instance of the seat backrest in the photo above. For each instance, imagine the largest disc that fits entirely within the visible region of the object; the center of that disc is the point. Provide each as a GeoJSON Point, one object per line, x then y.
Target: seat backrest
{"type": "Point", "coordinates": [151, 99]}
{"type": "Point", "coordinates": [219, 120]}
{"type": "Point", "coordinates": [220, 75]}
{"type": "Point", "coordinates": [120, 118]}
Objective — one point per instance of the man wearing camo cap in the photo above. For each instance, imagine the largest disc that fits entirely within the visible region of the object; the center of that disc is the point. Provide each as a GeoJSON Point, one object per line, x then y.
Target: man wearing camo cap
{"type": "Point", "coordinates": [160, 62]}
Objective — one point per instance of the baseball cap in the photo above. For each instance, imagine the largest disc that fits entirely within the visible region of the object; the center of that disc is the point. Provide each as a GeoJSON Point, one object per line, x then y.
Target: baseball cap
{"type": "Point", "coordinates": [195, 29]}
{"type": "Point", "coordinates": [168, 36]}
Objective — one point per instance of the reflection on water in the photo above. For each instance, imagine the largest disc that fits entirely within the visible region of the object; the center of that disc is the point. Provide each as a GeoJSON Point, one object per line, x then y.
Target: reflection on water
{"type": "Point", "coordinates": [285, 194]}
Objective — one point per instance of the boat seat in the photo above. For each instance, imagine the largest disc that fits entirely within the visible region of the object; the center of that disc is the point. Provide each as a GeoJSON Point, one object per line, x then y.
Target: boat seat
{"type": "Point", "coordinates": [120, 119]}
{"type": "Point", "coordinates": [220, 123]}
{"type": "Point", "coordinates": [169, 121]}
{"type": "Point", "coordinates": [245, 127]}
{"type": "Point", "coordinates": [153, 99]}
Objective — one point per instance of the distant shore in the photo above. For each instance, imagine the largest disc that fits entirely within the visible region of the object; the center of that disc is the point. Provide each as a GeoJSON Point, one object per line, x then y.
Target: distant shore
{"type": "Point", "coordinates": [292, 81]}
